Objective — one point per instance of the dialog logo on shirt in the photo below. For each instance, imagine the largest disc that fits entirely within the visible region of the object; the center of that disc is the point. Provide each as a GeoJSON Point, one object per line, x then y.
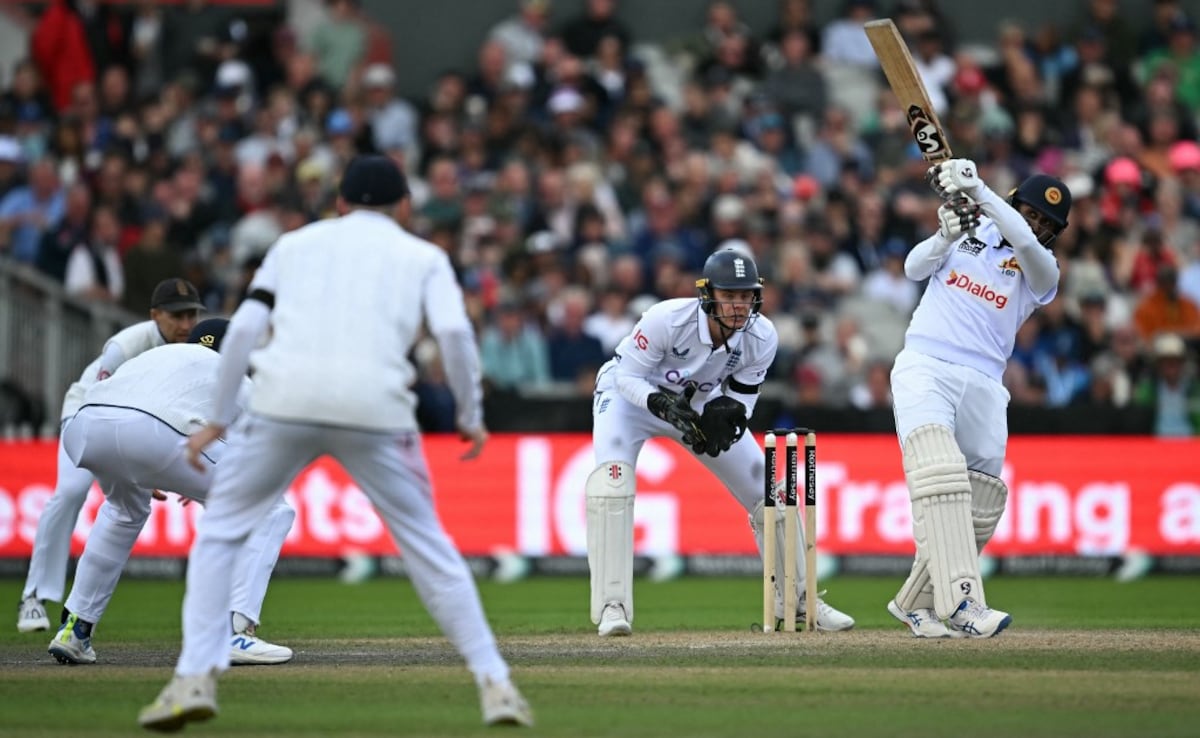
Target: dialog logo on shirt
{"type": "Point", "coordinates": [982, 291]}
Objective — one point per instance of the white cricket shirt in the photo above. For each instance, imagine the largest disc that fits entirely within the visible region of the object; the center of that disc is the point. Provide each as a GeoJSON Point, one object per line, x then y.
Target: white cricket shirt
{"type": "Point", "coordinates": [976, 300]}
{"type": "Point", "coordinates": [175, 383]}
{"type": "Point", "coordinates": [671, 345]}
{"type": "Point", "coordinates": [351, 294]}
{"type": "Point", "coordinates": [131, 341]}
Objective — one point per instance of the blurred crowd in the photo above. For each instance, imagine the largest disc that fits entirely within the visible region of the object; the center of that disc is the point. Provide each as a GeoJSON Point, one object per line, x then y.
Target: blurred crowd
{"type": "Point", "coordinates": [575, 177]}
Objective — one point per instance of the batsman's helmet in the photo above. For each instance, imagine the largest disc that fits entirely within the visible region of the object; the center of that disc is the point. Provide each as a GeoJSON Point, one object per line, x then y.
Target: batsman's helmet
{"type": "Point", "coordinates": [1047, 195]}
{"type": "Point", "coordinates": [729, 269]}
{"type": "Point", "coordinates": [209, 332]}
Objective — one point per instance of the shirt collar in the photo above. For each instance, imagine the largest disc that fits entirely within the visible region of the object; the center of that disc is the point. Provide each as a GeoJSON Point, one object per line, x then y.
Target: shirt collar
{"type": "Point", "coordinates": [371, 214]}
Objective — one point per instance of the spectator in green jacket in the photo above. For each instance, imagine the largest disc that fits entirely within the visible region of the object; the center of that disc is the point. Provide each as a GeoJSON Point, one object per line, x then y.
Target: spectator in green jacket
{"type": "Point", "coordinates": [1172, 390]}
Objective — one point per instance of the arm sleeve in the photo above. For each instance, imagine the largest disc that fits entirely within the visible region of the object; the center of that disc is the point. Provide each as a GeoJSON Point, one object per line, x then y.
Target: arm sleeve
{"type": "Point", "coordinates": [446, 315]}
{"type": "Point", "coordinates": [112, 357]}
{"type": "Point", "coordinates": [926, 257]}
{"type": "Point", "coordinates": [1037, 262]}
{"type": "Point", "coordinates": [266, 276]}
{"type": "Point", "coordinates": [460, 360]}
{"type": "Point", "coordinates": [245, 330]}
{"type": "Point", "coordinates": [639, 356]}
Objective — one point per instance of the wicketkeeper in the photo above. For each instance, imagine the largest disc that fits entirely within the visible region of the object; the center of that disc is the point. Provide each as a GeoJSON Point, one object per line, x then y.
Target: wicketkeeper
{"type": "Point", "coordinates": [690, 371]}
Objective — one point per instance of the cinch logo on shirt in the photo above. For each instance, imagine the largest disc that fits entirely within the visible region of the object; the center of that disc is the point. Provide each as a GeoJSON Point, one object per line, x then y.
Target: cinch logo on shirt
{"type": "Point", "coordinates": [963, 282]}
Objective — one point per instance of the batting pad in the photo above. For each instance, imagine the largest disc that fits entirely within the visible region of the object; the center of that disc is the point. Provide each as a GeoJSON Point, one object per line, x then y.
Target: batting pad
{"type": "Point", "coordinates": [936, 472]}
{"type": "Point", "coordinates": [610, 490]}
{"type": "Point", "coordinates": [988, 497]}
{"type": "Point", "coordinates": [781, 523]}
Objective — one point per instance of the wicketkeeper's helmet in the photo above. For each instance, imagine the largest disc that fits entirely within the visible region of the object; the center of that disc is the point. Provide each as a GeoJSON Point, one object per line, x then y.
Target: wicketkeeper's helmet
{"type": "Point", "coordinates": [729, 269]}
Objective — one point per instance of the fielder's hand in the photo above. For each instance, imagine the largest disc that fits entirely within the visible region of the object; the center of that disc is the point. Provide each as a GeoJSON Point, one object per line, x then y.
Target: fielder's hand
{"type": "Point", "coordinates": [678, 411]}
{"type": "Point", "coordinates": [477, 437]}
{"type": "Point", "coordinates": [957, 216]}
{"type": "Point", "coordinates": [954, 177]}
{"type": "Point", "coordinates": [198, 441]}
{"type": "Point", "coordinates": [723, 423]}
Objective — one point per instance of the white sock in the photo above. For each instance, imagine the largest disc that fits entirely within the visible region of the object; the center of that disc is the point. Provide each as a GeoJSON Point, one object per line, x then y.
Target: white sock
{"type": "Point", "coordinates": [241, 623]}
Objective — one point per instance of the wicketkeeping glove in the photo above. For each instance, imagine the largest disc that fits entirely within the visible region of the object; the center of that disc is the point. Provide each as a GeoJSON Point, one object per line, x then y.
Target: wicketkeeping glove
{"type": "Point", "coordinates": [954, 177]}
{"type": "Point", "coordinates": [677, 410]}
{"type": "Point", "coordinates": [957, 216]}
{"type": "Point", "coordinates": [723, 422]}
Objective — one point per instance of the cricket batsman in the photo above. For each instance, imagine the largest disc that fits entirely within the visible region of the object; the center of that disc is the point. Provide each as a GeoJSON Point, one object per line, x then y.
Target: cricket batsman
{"type": "Point", "coordinates": [989, 267]}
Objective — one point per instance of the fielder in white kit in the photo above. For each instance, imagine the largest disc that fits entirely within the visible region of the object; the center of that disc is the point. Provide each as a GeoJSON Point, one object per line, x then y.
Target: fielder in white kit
{"type": "Point", "coordinates": [131, 433]}
{"type": "Point", "coordinates": [174, 308]}
{"type": "Point", "coordinates": [989, 267]}
{"type": "Point", "coordinates": [344, 300]}
{"type": "Point", "coordinates": [690, 371]}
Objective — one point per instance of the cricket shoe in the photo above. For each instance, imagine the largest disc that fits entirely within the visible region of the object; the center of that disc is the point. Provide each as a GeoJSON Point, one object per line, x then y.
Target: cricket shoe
{"type": "Point", "coordinates": [503, 705]}
{"type": "Point", "coordinates": [613, 621]}
{"type": "Point", "coordinates": [73, 643]}
{"type": "Point", "coordinates": [247, 648]}
{"type": "Point", "coordinates": [31, 615]}
{"type": "Point", "coordinates": [184, 699]}
{"type": "Point", "coordinates": [974, 620]}
{"type": "Point", "coordinates": [923, 621]}
{"type": "Point", "coordinates": [829, 618]}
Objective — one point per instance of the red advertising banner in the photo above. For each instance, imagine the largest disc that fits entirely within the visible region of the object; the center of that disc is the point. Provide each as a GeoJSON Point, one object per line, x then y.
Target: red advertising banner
{"type": "Point", "coordinates": [1068, 495]}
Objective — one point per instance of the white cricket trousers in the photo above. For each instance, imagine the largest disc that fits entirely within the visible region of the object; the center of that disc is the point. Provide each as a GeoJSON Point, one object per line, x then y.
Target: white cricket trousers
{"type": "Point", "coordinates": [968, 402]}
{"type": "Point", "coordinates": [132, 454]}
{"type": "Point", "coordinates": [47, 575]}
{"type": "Point", "coordinates": [264, 455]}
{"type": "Point", "coordinates": [620, 429]}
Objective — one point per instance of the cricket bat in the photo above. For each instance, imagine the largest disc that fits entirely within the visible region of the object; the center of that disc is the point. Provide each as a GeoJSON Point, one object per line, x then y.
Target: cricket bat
{"type": "Point", "coordinates": [910, 91]}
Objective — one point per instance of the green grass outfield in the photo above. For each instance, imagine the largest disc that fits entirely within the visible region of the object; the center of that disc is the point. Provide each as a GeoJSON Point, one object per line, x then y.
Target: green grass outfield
{"type": "Point", "coordinates": [1084, 657]}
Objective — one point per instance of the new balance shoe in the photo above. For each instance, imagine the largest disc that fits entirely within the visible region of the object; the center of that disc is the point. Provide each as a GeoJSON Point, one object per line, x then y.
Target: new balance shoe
{"type": "Point", "coordinates": [613, 621]}
{"type": "Point", "coordinates": [184, 699]}
{"type": "Point", "coordinates": [978, 621]}
{"type": "Point", "coordinates": [503, 705]}
{"type": "Point", "coordinates": [73, 642]}
{"type": "Point", "coordinates": [829, 618]}
{"type": "Point", "coordinates": [31, 615]}
{"type": "Point", "coordinates": [247, 648]}
{"type": "Point", "coordinates": [923, 621]}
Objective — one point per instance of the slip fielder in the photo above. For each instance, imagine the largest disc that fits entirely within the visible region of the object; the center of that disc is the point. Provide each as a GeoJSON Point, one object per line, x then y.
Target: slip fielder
{"type": "Point", "coordinates": [174, 308]}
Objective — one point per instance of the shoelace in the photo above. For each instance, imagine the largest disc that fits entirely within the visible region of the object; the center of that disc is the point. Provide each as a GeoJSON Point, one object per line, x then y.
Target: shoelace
{"type": "Point", "coordinates": [974, 610]}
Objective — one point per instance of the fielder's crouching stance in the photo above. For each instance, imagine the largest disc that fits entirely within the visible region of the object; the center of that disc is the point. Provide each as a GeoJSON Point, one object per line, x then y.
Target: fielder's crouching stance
{"type": "Point", "coordinates": [690, 371]}
{"type": "Point", "coordinates": [989, 267]}
{"type": "Point", "coordinates": [130, 433]}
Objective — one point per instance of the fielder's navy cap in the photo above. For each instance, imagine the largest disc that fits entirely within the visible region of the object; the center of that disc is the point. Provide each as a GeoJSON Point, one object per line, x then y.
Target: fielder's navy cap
{"type": "Point", "coordinates": [209, 332]}
{"type": "Point", "coordinates": [373, 180]}
{"type": "Point", "coordinates": [175, 295]}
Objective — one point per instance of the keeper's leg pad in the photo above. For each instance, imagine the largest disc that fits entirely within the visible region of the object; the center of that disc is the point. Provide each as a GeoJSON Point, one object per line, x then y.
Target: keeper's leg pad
{"type": "Point", "coordinates": [610, 491]}
{"type": "Point", "coordinates": [988, 497]}
{"type": "Point", "coordinates": [781, 523]}
{"type": "Point", "coordinates": [936, 471]}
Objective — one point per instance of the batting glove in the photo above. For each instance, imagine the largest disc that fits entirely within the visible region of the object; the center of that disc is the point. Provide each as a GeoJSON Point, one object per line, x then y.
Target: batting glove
{"type": "Point", "coordinates": [957, 216]}
{"type": "Point", "coordinates": [953, 177]}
